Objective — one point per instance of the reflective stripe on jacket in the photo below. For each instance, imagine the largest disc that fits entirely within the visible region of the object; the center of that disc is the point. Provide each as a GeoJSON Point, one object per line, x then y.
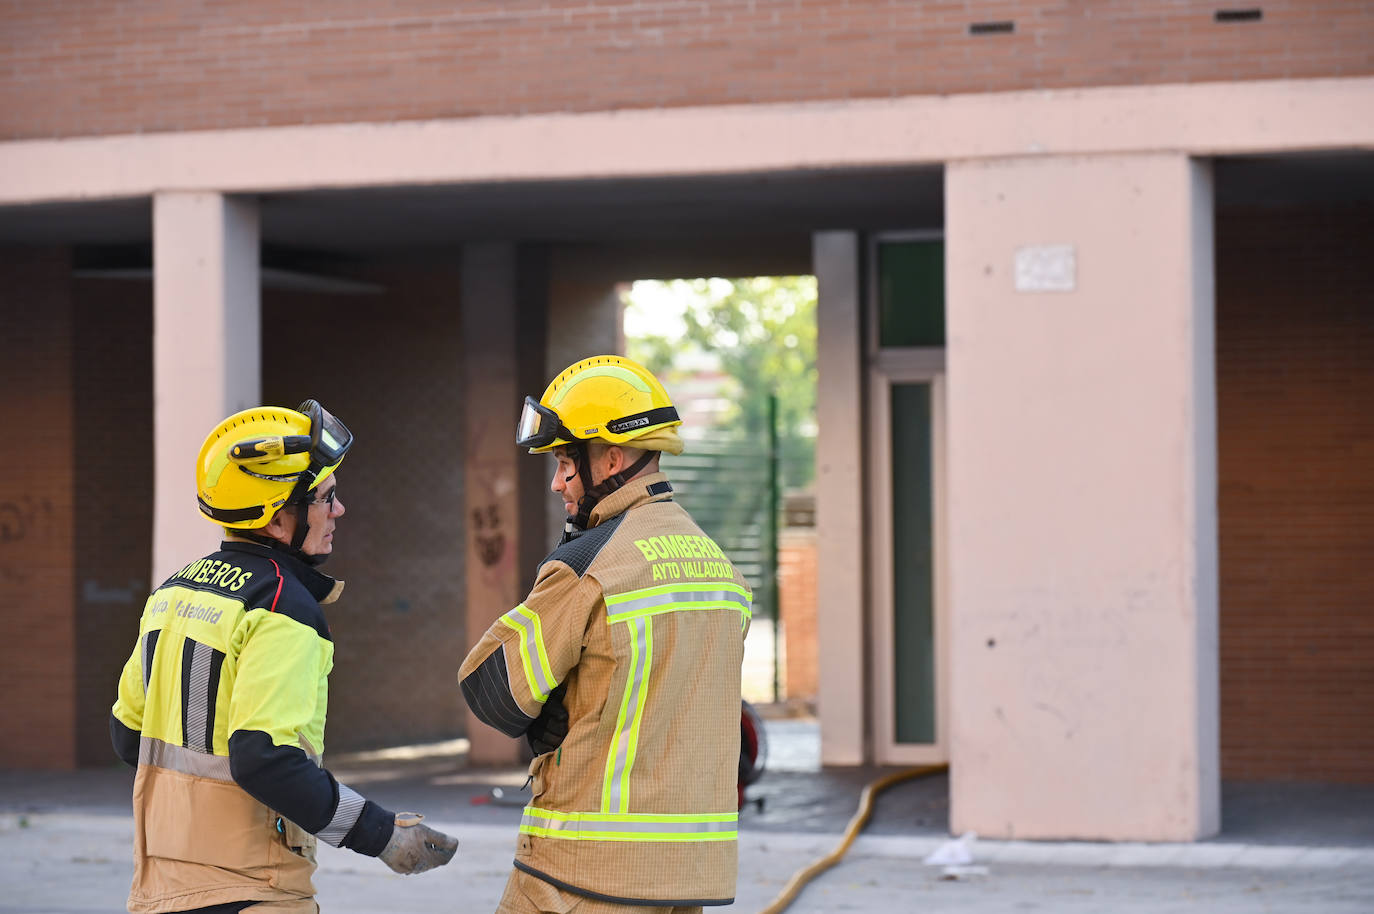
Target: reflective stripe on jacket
{"type": "Point", "coordinates": [641, 621]}
{"type": "Point", "coordinates": [222, 707]}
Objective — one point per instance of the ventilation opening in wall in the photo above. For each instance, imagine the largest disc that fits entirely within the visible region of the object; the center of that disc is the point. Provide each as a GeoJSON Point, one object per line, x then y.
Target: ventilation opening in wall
{"type": "Point", "coordinates": [1247, 15]}
{"type": "Point", "coordinates": [1004, 27]}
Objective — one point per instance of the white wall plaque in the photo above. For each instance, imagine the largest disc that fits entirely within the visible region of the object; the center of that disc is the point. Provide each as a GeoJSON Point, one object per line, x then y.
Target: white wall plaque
{"type": "Point", "coordinates": [1046, 268]}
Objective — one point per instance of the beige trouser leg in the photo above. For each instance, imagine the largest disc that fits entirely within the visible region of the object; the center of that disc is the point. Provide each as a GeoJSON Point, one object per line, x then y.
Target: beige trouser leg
{"type": "Point", "coordinates": [526, 894]}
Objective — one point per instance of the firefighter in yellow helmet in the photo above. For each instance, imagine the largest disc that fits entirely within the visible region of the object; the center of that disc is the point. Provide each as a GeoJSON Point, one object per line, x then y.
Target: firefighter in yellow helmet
{"type": "Point", "coordinates": [621, 667]}
{"type": "Point", "coordinates": [222, 703]}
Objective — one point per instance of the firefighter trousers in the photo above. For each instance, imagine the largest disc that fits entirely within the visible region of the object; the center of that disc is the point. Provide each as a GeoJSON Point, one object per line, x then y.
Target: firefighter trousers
{"type": "Point", "coordinates": [526, 894]}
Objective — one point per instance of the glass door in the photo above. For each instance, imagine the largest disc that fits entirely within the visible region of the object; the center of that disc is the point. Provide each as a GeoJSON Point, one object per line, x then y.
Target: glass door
{"type": "Point", "coordinates": [907, 423]}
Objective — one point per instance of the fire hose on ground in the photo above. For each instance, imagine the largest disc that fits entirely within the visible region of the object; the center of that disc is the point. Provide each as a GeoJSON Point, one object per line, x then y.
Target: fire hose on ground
{"type": "Point", "coordinates": [856, 824]}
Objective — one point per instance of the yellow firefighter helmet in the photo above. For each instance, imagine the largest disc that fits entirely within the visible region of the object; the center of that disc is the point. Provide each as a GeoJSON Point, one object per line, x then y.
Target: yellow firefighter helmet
{"type": "Point", "coordinates": [259, 460]}
{"type": "Point", "coordinates": [606, 397]}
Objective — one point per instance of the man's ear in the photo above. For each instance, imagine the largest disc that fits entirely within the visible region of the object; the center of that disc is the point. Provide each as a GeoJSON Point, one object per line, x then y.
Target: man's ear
{"type": "Point", "coordinates": [279, 527]}
{"type": "Point", "coordinates": [615, 460]}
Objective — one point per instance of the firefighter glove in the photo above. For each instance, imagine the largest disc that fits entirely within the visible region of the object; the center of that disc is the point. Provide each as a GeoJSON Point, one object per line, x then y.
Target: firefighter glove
{"type": "Point", "coordinates": [550, 728]}
{"type": "Point", "coordinates": [414, 848]}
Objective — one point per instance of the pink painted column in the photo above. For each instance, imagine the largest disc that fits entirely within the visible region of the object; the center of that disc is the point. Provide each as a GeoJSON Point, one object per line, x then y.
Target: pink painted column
{"type": "Point", "coordinates": [1082, 498]}
{"type": "Point", "coordinates": [496, 581]}
{"type": "Point", "coordinates": [206, 352]}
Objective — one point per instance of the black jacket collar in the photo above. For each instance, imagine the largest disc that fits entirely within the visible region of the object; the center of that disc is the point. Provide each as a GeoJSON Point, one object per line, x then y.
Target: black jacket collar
{"type": "Point", "coordinates": [321, 586]}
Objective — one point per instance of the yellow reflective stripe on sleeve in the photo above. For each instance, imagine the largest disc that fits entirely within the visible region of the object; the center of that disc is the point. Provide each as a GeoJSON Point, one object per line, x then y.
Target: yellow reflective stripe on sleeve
{"type": "Point", "coordinates": [604, 826]}
{"type": "Point", "coordinates": [615, 790]}
{"type": "Point", "coordinates": [667, 598]}
{"type": "Point", "coordinates": [533, 657]}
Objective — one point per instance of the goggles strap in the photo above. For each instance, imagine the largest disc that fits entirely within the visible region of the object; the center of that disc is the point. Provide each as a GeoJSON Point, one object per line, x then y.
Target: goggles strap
{"type": "Point", "coordinates": [643, 420]}
{"type": "Point", "coordinates": [302, 525]}
{"type": "Point", "coordinates": [228, 515]}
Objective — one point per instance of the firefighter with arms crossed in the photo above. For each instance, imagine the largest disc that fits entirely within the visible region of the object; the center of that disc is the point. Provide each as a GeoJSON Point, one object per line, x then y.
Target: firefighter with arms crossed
{"type": "Point", "coordinates": [222, 703]}
{"type": "Point", "coordinates": [621, 668]}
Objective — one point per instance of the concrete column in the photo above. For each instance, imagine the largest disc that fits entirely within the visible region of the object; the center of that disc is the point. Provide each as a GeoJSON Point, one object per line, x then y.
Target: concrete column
{"type": "Point", "coordinates": [840, 591]}
{"type": "Point", "coordinates": [585, 314]}
{"type": "Point", "coordinates": [496, 580]}
{"type": "Point", "coordinates": [1082, 498]}
{"type": "Point", "coordinates": [585, 318]}
{"type": "Point", "coordinates": [206, 352]}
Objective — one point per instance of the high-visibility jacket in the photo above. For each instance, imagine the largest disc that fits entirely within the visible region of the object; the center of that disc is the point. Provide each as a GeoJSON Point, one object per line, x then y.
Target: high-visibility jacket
{"type": "Point", "coordinates": [640, 622]}
{"type": "Point", "coordinates": [222, 708]}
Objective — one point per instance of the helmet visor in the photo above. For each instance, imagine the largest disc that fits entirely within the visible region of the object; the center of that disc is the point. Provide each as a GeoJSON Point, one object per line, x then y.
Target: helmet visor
{"type": "Point", "coordinates": [330, 439]}
{"type": "Point", "coordinates": [539, 426]}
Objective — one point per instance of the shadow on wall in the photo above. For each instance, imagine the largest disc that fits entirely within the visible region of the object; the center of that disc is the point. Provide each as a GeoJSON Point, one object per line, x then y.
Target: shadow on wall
{"type": "Point", "coordinates": [388, 364]}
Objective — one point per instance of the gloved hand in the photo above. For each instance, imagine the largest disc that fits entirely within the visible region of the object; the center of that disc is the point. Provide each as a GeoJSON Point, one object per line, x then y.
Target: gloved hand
{"type": "Point", "coordinates": [414, 848]}
{"type": "Point", "coordinates": [550, 728]}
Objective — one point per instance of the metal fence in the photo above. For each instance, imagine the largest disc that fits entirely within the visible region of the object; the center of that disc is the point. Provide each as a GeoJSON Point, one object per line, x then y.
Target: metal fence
{"type": "Point", "coordinates": [726, 486]}
{"type": "Point", "coordinates": [731, 489]}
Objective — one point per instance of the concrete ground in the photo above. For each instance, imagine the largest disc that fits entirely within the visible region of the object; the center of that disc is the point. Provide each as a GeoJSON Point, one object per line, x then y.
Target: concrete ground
{"type": "Point", "coordinates": [65, 840]}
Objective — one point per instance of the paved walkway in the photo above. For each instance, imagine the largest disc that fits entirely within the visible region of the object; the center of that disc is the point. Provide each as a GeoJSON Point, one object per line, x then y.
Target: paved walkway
{"type": "Point", "coordinates": [65, 840]}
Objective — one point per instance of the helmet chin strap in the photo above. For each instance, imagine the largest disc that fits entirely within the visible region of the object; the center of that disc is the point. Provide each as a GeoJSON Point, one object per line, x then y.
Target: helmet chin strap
{"type": "Point", "coordinates": [302, 531]}
{"type": "Point", "coordinates": [592, 494]}
{"type": "Point", "coordinates": [302, 525]}
{"type": "Point", "coordinates": [272, 543]}
{"type": "Point", "coordinates": [302, 490]}
{"type": "Point", "coordinates": [294, 548]}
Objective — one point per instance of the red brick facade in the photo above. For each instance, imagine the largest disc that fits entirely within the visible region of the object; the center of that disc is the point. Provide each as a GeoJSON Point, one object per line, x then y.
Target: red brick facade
{"type": "Point", "coordinates": [797, 603]}
{"type": "Point", "coordinates": [1295, 380]}
{"type": "Point", "coordinates": [112, 376]}
{"type": "Point", "coordinates": [37, 563]}
{"type": "Point", "coordinates": [76, 366]}
{"type": "Point", "coordinates": [132, 66]}
{"type": "Point", "coordinates": [388, 365]}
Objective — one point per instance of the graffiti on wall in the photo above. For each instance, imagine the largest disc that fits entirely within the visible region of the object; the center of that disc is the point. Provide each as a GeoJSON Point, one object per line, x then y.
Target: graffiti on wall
{"type": "Point", "coordinates": [488, 535]}
{"type": "Point", "coordinates": [22, 518]}
{"type": "Point", "coordinates": [491, 530]}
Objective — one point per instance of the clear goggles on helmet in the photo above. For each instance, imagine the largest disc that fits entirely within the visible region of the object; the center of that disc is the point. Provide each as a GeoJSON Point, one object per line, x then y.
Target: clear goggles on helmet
{"type": "Point", "coordinates": [328, 441]}
{"type": "Point", "coordinates": [539, 426]}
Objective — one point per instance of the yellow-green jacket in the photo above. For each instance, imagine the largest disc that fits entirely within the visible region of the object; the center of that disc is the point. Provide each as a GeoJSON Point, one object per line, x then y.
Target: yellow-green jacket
{"type": "Point", "coordinates": [222, 707]}
{"type": "Point", "coordinates": [639, 622]}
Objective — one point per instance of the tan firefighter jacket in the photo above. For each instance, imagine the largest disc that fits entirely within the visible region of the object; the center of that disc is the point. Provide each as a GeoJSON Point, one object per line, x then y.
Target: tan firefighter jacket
{"type": "Point", "coordinates": [641, 622]}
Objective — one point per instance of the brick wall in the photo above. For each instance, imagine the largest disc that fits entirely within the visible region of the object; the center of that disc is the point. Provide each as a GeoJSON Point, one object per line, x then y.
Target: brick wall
{"type": "Point", "coordinates": [37, 655]}
{"type": "Point", "coordinates": [1295, 373]}
{"type": "Point", "coordinates": [76, 497]}
{"type": "Point", "coordinates": [797, 603]}
{"type": "Point", "coordinates": [112, 378]}
{"type": "Point", "coordinates": [388, 365]}
{"type": "Point", "coordinates": [124, 66]}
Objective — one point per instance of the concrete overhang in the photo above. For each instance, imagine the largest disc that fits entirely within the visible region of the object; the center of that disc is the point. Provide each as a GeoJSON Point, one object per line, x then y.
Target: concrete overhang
{"type": "Point", "coordinates": [783, 207]}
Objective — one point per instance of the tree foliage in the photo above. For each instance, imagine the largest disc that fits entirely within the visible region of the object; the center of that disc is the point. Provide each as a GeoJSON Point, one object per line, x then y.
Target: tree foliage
{"type": "Point", "coordinates": [762, 333]}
